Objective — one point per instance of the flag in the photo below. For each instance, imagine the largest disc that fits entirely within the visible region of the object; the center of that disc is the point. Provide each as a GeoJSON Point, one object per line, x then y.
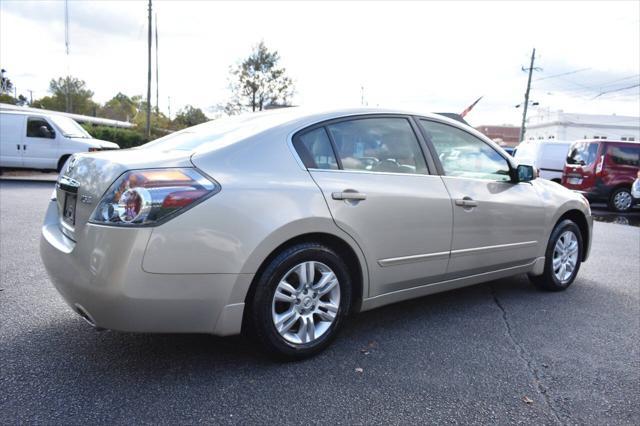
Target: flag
{"type": "Point", "coordinates": [470, 107]}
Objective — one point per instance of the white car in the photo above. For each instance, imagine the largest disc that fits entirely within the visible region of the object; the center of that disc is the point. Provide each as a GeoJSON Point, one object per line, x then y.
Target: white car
{"type": "Point", "coordinates": [547, 156]}
{"type": "Point", "coordinates": [43, 140]}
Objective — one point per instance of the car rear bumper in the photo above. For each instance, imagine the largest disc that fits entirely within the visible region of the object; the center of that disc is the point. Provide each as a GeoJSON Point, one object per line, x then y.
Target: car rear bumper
{"type": "Point", "coordinates": [102, 279]}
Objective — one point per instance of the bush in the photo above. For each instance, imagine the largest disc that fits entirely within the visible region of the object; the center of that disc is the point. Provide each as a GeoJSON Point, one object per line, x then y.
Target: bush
{"type": "Point", "coordinates": [126, 138]}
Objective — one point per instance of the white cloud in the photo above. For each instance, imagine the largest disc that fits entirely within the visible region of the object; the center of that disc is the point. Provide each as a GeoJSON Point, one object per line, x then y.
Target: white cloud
{"type": "Point", "coordinates": [423, 55]}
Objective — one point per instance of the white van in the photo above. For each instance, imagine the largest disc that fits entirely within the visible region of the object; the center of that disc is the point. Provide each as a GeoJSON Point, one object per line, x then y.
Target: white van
{"type": "Point", "coordinates": [42, 140]}
{"type": "Point", "coordinates": [547, 156]}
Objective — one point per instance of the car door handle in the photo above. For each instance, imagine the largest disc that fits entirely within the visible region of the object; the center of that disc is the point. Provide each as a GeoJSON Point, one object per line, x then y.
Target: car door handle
{"type": "Point", "coordinates": [348, 195]}
{"type": "Point", "coordinates": [18, 145]}
{"type": "Point", "coordinates": [466, 202]}
{"type": "Point", "coordinates": [24, 147]}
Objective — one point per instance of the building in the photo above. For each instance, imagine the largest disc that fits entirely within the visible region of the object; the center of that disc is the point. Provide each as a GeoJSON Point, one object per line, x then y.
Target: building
{"type": "Point", "coordinates": [503, 135]}
{"type": "Point", "coordinates": [565, 126]}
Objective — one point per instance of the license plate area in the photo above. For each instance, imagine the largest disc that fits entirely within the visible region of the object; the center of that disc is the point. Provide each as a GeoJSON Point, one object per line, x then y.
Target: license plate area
{"type": "Point", "coordinates": [69, 208]}
{"type": "Point", "coordinates": [574, 181]}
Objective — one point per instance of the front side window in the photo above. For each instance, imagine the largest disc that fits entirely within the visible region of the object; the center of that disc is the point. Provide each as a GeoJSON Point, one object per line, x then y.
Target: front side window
{"type": "Point", "coordinates": [582, 153]}
{"type": "Point", "coordinates": [464, 155]}
{"type": "Point", "coordinates": [624, 156]}
{"type": "Point", "coordinates": [39, 128]}
{"type": "Point", "coordinates": [315, 151]}
{"type": "Point", "coordinates": [385, 144]}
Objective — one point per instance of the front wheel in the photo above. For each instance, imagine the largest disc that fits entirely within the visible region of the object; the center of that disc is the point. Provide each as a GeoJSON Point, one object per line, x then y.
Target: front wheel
{"type": "Point", "coordinates": [621, 200]}
{"type": "Point", "coordinates": [300, 301]}
{"type": "Point", "coordinates": [562, 258]}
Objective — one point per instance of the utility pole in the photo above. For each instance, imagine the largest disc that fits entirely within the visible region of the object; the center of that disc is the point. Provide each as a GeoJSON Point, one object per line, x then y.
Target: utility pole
{"type": "Point", "coordinates": [157, 81]}
{"type": "Point", "coordinates": [66, 47]}
{"type": "Point", "coordinates": [30, 97]}
{"type": "Point", "coordinates": [169, 99]}
{"type": "Point", "coordinates": [148, 128]}
{"type": "Point", "coordinates": [526, 94]}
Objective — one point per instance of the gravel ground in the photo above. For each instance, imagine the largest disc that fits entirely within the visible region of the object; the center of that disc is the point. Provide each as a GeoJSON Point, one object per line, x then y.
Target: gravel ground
{"type": "Point", "coordinates": [500, 352]}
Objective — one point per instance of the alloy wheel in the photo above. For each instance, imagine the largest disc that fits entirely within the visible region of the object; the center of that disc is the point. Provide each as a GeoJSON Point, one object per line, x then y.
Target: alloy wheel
{"type": "Point", "coordinates": [306, 302]}
{"type": "Point", "coordinates": [565, 256]}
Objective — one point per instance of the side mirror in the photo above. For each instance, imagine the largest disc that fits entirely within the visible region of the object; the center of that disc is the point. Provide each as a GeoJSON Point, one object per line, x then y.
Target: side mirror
{"type": "Point", "coordinates": [44, 132]}
{"type": "Point", "coordinates": [525, 173]}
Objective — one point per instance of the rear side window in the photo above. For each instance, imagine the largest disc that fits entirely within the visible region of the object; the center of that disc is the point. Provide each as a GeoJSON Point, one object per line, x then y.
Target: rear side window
{"type": "Point", "coordinates": [315, 151]}
{"type": "Point", "coordinates": [582, 153]}
{"type": "Point", "coordinates": [624, 155]}
{"type": "Point", "coordinates": [378, 145]}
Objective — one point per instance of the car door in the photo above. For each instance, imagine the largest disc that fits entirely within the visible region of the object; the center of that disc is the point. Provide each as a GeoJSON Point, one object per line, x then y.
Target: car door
{"type": "Point", "coordinates": [497, 224]}
{"type": "Point", "coordinates": [40, 145]}
{"type": "Point", "coordinates": [379, 190]}
{"type": "Point", "coordinates": [11, 134]}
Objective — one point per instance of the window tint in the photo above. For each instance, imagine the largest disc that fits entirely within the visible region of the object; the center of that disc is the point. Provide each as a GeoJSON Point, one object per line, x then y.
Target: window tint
{"type": "Point", "coordinates": [314, 148]}
{"type": "Point", "coordinates": [33, 128]}
{"type": "Point", "coordinates": [624, 155]}
{"type": "Point", "coordinates": [464, 155]}
{"type": "Point", "coordinates": [378, 145]}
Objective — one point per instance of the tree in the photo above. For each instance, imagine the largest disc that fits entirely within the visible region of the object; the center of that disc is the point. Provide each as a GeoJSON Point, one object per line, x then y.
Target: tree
{"type": "Point", "coordinates": [189, 116]}
{"type": "Point", "coordinates": [120, 107]}
{"type": "Point", "coordinates": [258, 82]}
{"type": "Point", "coordinates": [80, 97]}
{"type": "Point", "coordinates": [6, 85]}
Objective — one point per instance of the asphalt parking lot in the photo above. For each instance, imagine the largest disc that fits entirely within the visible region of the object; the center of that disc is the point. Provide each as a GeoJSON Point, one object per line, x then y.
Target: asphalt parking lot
{"type": "Point", "coordinates": [501, 352]}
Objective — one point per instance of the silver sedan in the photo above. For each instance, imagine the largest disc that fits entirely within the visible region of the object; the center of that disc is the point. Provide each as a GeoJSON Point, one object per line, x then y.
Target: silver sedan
{"type": "Point", "coordinates": [284, 223]}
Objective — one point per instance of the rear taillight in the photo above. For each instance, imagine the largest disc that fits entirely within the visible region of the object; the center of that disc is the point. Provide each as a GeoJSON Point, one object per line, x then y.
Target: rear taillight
{"type": "Point", "coordinates": [148, 197]}
{"type": "Point", "coordinates": [92, 149]}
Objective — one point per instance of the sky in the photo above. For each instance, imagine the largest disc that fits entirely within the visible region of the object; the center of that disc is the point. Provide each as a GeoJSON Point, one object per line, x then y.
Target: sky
{"type": "Point", "coordinates": [423, 56]}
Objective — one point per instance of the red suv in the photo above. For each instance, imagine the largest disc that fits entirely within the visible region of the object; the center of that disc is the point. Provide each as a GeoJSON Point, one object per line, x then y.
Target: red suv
{"type": "Point", "coordinates": [603, 171]}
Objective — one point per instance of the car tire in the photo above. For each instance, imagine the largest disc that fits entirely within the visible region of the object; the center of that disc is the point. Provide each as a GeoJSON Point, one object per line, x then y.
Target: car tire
{"type": "Point", "coordinates": [311, 324]}
{"type": "Point", "coordinates": [561, 254]}
{"type": "Point", "coordinates": [621, 200]}
{"type": "Point", "coordinates": [61, 162]}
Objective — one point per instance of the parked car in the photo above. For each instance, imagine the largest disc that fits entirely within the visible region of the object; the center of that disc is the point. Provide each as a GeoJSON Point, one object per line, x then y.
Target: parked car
{"type": "Point", "coordinates": [42, 141]}
{"type": "Point", "coordinates": [548, 156]}
{"type": "Point", "coordinates": [283, 223]}
{"type": "Point", "coordinates": [603, 170]}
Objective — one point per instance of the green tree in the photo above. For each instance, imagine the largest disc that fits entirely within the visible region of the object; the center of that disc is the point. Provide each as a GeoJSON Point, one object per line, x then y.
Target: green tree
{"type": "Point", "coordinates": [189, 116]}
{"type": "Point", "coordinates": [80, 97]}
{"type": "Point", "coordinates": [120, 107]}
{"type": "Point", "coordinates": [258, 82]}
{"type": "Point", "coordinates": [7, 99]}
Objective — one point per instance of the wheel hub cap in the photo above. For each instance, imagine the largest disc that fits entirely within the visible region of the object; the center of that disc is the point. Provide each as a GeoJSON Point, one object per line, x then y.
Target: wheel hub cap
{"type": "Point", "coordinates": [306, 302]}
{"type": "Point", "coordinates": [622, 200]}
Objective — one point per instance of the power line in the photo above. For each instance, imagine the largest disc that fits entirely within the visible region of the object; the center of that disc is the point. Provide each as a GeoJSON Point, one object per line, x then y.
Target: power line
{"type": "Point", "coordinates": [563, 74]}
{"type": "Point", "coordinates": [616, 90]}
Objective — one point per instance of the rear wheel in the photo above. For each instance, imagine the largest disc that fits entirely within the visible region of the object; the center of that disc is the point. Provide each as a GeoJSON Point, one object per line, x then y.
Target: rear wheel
{"type": "Point", "coordinates": [621, 200]}
{"type": "Point", "coordinates": [562, 258]}
{"type": "Point", "coordinates": [300, 301]}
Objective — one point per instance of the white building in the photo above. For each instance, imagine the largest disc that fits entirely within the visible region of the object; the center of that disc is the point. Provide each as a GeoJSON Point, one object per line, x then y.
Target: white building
{"type": "Point", "coordinates": [565, 126]}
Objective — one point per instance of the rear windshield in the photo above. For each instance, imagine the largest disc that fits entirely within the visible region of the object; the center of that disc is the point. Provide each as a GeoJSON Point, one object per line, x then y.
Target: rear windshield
{"type": "Point", "coordinates": [583, 153]}
{"type": "Point", "coordinates": [216, 133]}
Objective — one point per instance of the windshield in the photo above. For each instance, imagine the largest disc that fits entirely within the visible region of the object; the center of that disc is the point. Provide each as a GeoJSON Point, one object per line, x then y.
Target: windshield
{"type": "Point", "coordinates": [69, 127]}
{"type": "Point", "coordinates": [582, 153]}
